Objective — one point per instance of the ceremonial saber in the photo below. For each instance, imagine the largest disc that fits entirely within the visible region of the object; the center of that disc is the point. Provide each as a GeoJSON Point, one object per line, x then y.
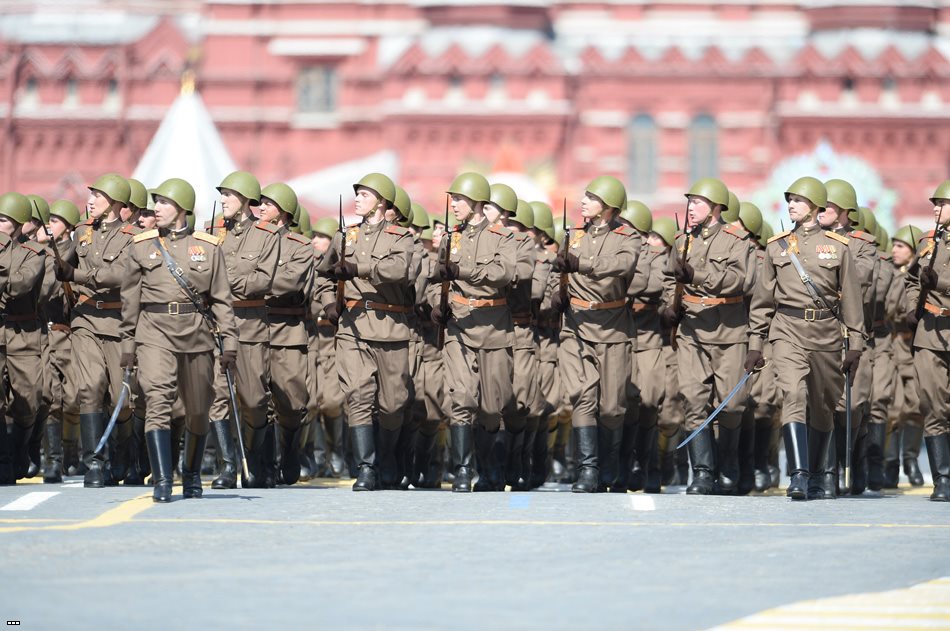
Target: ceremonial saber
{"type": "Point", "coordinates": [123, 395]}
{"type": "Point", "coordinates": [718, 409]}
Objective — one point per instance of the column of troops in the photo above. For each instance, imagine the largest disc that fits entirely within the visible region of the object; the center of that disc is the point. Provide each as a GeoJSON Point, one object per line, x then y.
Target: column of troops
{"type": "Point", "coordinates": [493, 347]}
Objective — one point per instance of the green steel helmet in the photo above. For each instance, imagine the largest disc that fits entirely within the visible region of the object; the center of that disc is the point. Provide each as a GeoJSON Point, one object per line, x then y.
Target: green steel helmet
{"type": "Point", "coordinates": [666, 228]}
{"type": "Point", "coordinates": [177, 190]}
{"type": "Point", "coordinates": [379, 184]}
{"type": "Point", "coordinates": [558, 233]}
{"type": "Point", "coordinates": [543, 216]}
{"type": "Point", "coordinates": [403, 206]}
{"type": "Point", "coordinates": [767, 233]}
{"type": "Point", "coordinates": [420, 218]}
{"type": "Point", "coordinates": [138, 196]}
{"type": "Point", "coordinates": [731, 213]}
{"type": "Point", "coordinates": [303, 222]}
{"type": "Point", "coordinates": [810, 188]}
{"type": "Point", "coordinates": [524, 214]}
{"type": "Point", "coordinates": [942, 192]}
{"type": "Point", "coordinates": [113, 186]}
{"type": "Point", "coordinates": [504, 197]}
{"type": "Point", "coordinates": [327, 226]}
{"type": "Point", "coordinates": [882, 238]}
{"type": "Point", "coordinates": [909, 235]}
{"type": "Point", "coordinates": [283, 197]}
{"type": "Point", "coordinates": [17, 207]}
{"type": "Point", "coordinates": [436, 220]}
{"type": "Point", "coordinates": [427, 234]}
{"type": "Point", "coordinates": [65, 210]}
{"type": "Point", "coordinates": [638, 215]}
{"type": "Point", "coordinates": [609, 190]}
{"type": "Point", "coordinates": [842, 194]}
{"type": "Point", "coordinates": [244, 184]}
{"type": "Point", "coordinates": [751, 218]}
{"type": "Point", "coordinates": [472, 185]}
{"type": "Point", "coordinates": [866, 220]}
{"type": "Point", "coordinates": [712, 189]}
{"type": "Point", "coordinates": [191, 220]}
{"type": "Point", "coordinates": [40, 208]}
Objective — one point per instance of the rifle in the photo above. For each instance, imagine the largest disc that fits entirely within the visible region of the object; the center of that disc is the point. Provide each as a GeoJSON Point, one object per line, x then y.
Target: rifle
{"type": "Point", "coordinates": [444, 297]}
{"type": "Point", "coordinates": [341, 284]}
{"type": "Point", "coordinates": [565, 279]}
{"type": "Point", "coordinates": [680, 288]}
{"type": "Point", "coordinates": [922, 298]}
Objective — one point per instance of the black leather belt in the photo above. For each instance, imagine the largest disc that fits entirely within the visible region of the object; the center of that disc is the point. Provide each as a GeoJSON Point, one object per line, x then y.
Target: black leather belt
{"type": "Point", "coordinates": [172, 308]}
{"type": "Point", "coordinates": [809, 315]}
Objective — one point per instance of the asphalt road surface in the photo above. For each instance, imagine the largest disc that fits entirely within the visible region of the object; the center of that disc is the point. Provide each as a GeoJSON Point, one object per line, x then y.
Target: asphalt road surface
{"type": "Point", "coordinates": [319, 556]}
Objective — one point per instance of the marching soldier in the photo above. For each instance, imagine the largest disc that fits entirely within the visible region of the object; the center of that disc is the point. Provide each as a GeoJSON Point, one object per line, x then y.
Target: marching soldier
{"type": "Point", "coordinates": [373, 328]}
{"type": "Point", "coordinates": [594, 354]}
{"type": "Point", "coordinates": [250, 249]}
{"type": "Point", "coordinates": [479, 331]}
{"type": "Point", "coordinates": [806, 337]}
{"type": "Point", "coordinates": [35, 230]}
{"type": "Point", "coordinates": [102, 243]}
{"type": "Point", "coordinates": [712, 332]}
{"type": "Point", "coordinates": [931, 285]}
{"type": "Point", "coordinates": [171, 274]}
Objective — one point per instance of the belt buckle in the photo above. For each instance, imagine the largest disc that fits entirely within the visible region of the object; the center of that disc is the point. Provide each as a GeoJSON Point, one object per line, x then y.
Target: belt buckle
{"type": "Point", "coordinates": [366, 305]}
{"type": "Point", "coordinates": [814, 315]}
{"type": "Point", "coordinates": [702, 301]}
{"type": "Point", "coordinates": [471, 303]}
{"type": "Point", "coordinates": [98, 305]}
{"type": "Point", "coordinates": [176, 308]}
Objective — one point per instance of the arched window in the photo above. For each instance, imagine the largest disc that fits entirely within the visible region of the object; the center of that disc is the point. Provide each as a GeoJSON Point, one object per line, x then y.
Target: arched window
{"type": "Point", "coordinates": [703, 148]}
{"type": "Point", "coordinates": [642, 155]}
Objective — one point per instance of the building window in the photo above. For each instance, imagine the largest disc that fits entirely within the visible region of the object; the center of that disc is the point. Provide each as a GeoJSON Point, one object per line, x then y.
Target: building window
{"type": "Point", "coordinates": [703, 148]}
{"type": "Point", "coordinates": [29, 95]}
{"type": "Point", "coordinates": [316, 89]}
{"type": "Point", "coordinates": [642, 154]}
{"type": "Point", "coordinates": [112, 100]}
{"type": "Point", "coordinates": [71, 93]}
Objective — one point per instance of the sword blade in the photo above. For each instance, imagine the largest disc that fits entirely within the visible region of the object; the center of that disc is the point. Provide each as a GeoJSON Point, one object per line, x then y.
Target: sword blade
{"type": "Point", "coordinates": [123, 395]}
{"type": "Point", "coordinates": [718, 409]}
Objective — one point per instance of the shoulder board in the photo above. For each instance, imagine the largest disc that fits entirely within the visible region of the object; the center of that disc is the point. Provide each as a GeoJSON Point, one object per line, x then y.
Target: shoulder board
{"type": "Point", "coordinates": [624, 230]}
{"type": "Point", "coordinates": [204, 236]}
{"type": "Point", "coordinates": [129, 229]}
{"type": "Point", "coordinates": [265, 226]}
{"type": "Point", "coordinates": [87, 222]}
{"type": "Point", "coordinates": [396, 230]}
{"type": "Point", "coordinates": [863, 236]}
{"type": "Point", "coordinates": [293, 236]}
{"type": "Point", "coordinates": [216, 224]}
{"type": "Point", "coordinates": [145, 236]}
{"type": "Point", "coordinates": [33, 246]}
{"type": "Point", "coordinates": [501, 230]}
{"type": "Point", "coordinates": [780, 235]}
{"type": "Point", "coordinates": [736, 231]}
{"type": "Point", "coordinates": [837, 237]}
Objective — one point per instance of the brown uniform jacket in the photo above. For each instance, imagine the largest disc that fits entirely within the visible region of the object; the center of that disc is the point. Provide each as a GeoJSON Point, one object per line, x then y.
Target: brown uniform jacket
{"type": "Point", "coordinates": [288, 301]}
{"type": "Point", "coordinates": [486, 256]}
{"type": "Point", "coordinates": [26, 264]}
{"type": "Point", "coordinates": [933, 331]}
{"type": "Point", "coordinates": [645, 292]}
{"type": "Point", "coordinates": [251, 250]}
{"type": "Point", "coordinates": [608, 259]}
{"type": "Point", "coordinates": [101, 248]}
{"type": "Point", "coordinates": [828, 260]}
{"type": "Point", "coordinates": [884, 279]}
{"type": "Point", "coordinates": [53, 297]}
{"type": "Point", "coordinates": [720, 257]}
{"type": "Point", "coordinates": [520, 292]}
{"type": "Point", "coordinates": [383, 253]}
{"type": "Point", "coordinates": [148, 281]}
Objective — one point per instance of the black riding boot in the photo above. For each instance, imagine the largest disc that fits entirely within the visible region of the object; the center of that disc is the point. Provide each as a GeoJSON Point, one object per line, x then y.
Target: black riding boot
{"type": "Point", "coordinates": [877, 433]}
{"type": "Point", "coordinates": [892, 458]}
{"type": "Point", "coordinates": [136, 471]}
{"type": "Point", "coordinates": [608, 456]}
{"type": "Point", "coordinates": [121, 439]}
{"type": "Point", "coordinates": [822, 454]}
{"type": "Point", "coordinates": [912, 435]}
{"type": "Point", "coordinates": [728, 451]}
{"type": "Point", "coordinates": [539, 455]}
{"type": "Point", "coordinates": [462, 455]}
{"type": "Point", "coordinates": [289, 454]}
{"type": "Point", "coordinates": [191, 464]}
{"type": "Point", "coordinates": [629, 466]}
{"type": "Point", "coordinates": [763, 444]}
{"type": "Point", "coordinates": [227, 476]}
{"type": "Point", "coordinates": [334, 436]}
{"type": "Point", "coordinates": [796, 452]}
{"type": "Point", "coordinates": [422, 456]}
{"type": "Point", "coordinates": [588, 465]}
{"type": "Point", "coordinates": [91, 427]}
{"type": "Point", "coordinates": [938, 451]}
{"type": "Point", "coordinates": [859, 463]}
{"type": "Point", "coordinates": [254, 457]}
{"type": "Point", "coordinates": [746, 454]}
{"type": "Point", "coordinates": [35, 443]}
{"type": "Point", "coordinates": [363, 443]}
{"type": "Point", "coordinates": [159, 443]}
{"type": "Point", "coordinates": [515, 473]}
{"type": "Point", "coordinates": [387, 463]}
{"type": "Point", "coordinates": [486, 460]}
{"type": "Point", "coordinates": [53, 469]}
{"type": "Point", "coordinates": [648, 455]}
{"type": "Point", "coordinates": [702, 450]}
{"type": "Point", "coordinates": [71, 462]}
{"type": "Point", "coordinates": [19, 449]}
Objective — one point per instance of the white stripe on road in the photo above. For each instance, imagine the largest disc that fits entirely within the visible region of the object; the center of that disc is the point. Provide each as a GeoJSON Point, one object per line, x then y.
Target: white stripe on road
{"type": "Point", "coordinates": [642, 502]}
{"type": "Point", "coordinates": [29, 501]}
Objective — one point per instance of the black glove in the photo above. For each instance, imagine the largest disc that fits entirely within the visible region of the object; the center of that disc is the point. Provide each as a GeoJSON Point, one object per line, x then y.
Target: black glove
{"type": "Point", "coordinates": [424, 311]}
{"type": "Point", "coordinates": [344, 270]}
{"type": "Point", "coordinates": [683, 273]}
{"type": "Point", "coordinates": [928, 279]}
{"type": "Point", "coordinates": [754, 361]}
{"type": "Point", "coordinates": [440, 317]}
{"type": "Point", "coordinates": [228, 361]}
{"type": "Point", "coordinates": [670, 317]}
{"type": "Point", "coordinates": [566, 263]}
{"type": "Point", "coordinates": [911, 320]}
{"type": "Point", "coordinates": [333, 315]}
{"type": "Point", "coordinates": [850, 364]}
{"type": "Point", "coordinates": [557, 305]}
{"type": "Point", "coordinates": [64, 271]}
{"type": "Point", "coordinates": [127, 360]}
{"type": "Point", "coordinates": [448, 271]}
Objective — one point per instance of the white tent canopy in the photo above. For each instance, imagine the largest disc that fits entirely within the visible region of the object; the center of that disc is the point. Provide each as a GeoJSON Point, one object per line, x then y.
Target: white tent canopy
{"type": "Point", "coordinates": [187, 145]}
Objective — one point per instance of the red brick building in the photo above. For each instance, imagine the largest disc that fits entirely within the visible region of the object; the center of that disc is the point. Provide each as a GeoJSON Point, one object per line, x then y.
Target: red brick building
{"type": "Point", "coordinates": [657, 93]}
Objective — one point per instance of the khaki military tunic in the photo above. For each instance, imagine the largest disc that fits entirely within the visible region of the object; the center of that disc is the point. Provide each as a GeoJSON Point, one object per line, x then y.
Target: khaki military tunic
{"type": "Point", "coordinates": [906, 404]}
{"type": "Point", "coordinates": [594, 352]}
{"type": "Point", "coordinates": [63, 403]}
{"type": "Point", "coordinates": [867, 264]}
{"type": "Point", "coordinates": [251, 250]}
{"type": "Point", "coordinates": [806, 344]}
{"type": "Point", "coordinates": [373, 335]}
{"type": "Point", "coordinates": [479, 337]}
{"type": "Point", "coordinates": [528, 400]}
{"type": "Point", "coordinates": [648, 374]}
{"type": "Point", "coordinates": [101, 247]}
{"type": "Point", "coordinates": [932, 338]}
{"type": "Point", "coordinates": [881, 344]}
{"type": "Point", "coordinates": [548, 332]}
{"type": "Point", "coordinates": [431, 375]}
{"type": "Point", "coordinates": [711, 339]}
{"type": "Point", "coordinates": [173, 342]}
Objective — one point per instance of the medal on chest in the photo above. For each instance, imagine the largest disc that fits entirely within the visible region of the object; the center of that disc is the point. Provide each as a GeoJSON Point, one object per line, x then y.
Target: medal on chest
{"type": "Point", "coordinates": [352, 235]}
{"type": "Point", "coordinates": [455, 242]}
{"type": "Point", "coordinates": [826, 252]}
{"type": "Point", "coordinates": [197, 254]}
{"type": "Point", "coordinates": [154, 255]}
{"type": "Point", "coordinates": [792, 245]}
{"type": "Point", "coordinates": [576, 239]}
